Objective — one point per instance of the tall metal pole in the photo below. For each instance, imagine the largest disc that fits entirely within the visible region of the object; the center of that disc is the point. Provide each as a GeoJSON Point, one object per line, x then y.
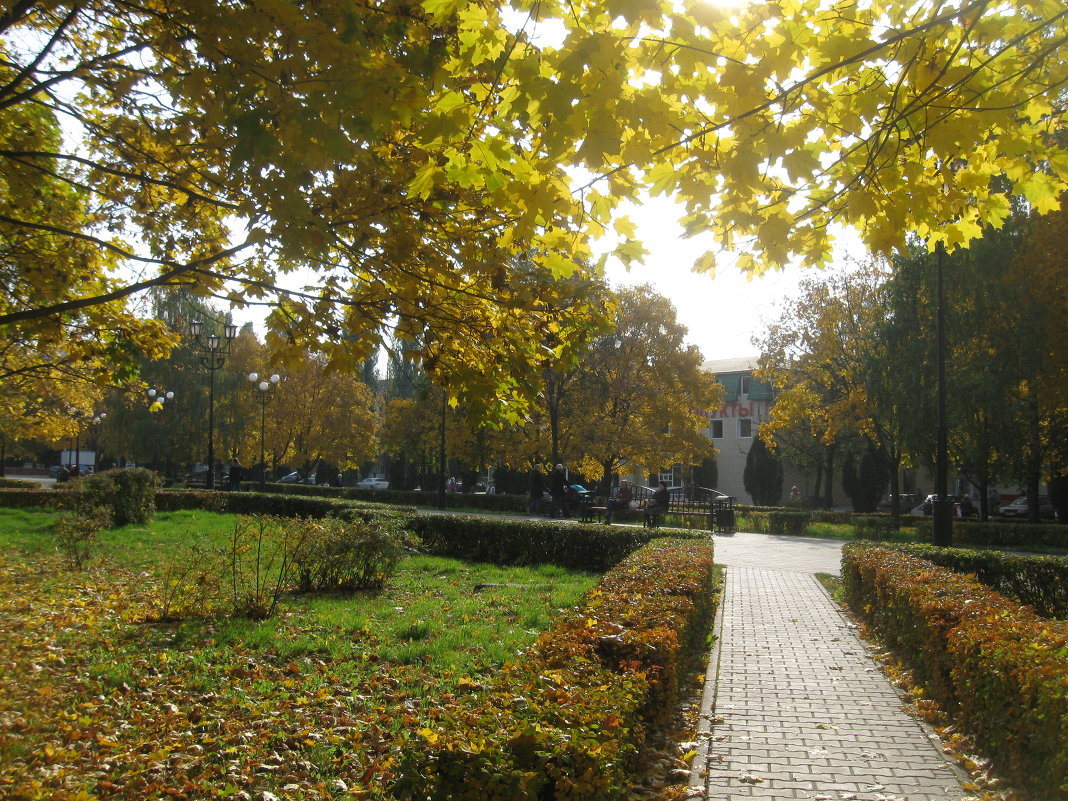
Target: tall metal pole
{"type": "Point", "coordinates": [212, 367]}
{"type": "Point", "coordinates": [263, 397]}
{"type": "Point", "coordinates": [213, 350]}
{"type": "Point", "coordinates": [263, 449]}
{"type": "Point", "coordinates": [942, 507]}
{"type": "Point", "coordinates": [441, 454]}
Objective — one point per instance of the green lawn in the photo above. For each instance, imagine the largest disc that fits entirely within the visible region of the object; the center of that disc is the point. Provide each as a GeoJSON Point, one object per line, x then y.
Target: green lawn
{"type": "Point", "coordinates": [95, 699]}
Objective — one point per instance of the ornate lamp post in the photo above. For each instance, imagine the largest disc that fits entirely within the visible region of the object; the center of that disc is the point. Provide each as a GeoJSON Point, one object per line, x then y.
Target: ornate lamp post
{"type": "Point", "coordinates": [263, 396]}
{"type": "Point", "coordinates": [942, 507]}
{"type": "Point", "coordinates": [213, 351]}
{"type": "Point", "coordinates": [88, 421]}
{"type": "Point", "coordinates": [156, 397]}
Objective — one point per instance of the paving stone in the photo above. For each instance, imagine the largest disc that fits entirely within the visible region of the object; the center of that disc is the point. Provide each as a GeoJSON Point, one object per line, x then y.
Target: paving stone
{"type": "Point", "coordinates": [794, 706]}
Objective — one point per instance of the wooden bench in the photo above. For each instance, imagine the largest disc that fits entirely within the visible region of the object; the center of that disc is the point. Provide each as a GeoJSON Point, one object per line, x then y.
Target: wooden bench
{"type": "Point", "coordinates": [714, 509]}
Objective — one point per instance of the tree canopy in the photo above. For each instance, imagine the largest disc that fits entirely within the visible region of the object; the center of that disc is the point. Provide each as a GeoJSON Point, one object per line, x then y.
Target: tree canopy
{"type": "Point", "coordinates": [438, 167]}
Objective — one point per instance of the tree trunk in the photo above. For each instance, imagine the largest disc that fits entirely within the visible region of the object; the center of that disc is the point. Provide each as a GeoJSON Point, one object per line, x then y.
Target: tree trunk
{"type": "Point", "coordinates": [606, 477]}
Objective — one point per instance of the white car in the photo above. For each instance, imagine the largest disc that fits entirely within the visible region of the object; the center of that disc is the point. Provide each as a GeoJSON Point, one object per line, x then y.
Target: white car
{"type": "Point", "coordinates": [373, 483]}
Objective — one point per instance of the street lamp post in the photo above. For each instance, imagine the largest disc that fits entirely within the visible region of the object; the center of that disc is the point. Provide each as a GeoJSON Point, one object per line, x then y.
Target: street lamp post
{"type": "Point", "coordinates": [88, 421]}
{"type": "Point", "coordinates": [156, 397]}
{"type": "Point", "coordinates": [213, 352]}
{"type": "Point", "coordinates": [263, 397]}
{"type": "Point", "coordinates": [942, 506]}
{"type": "Point", "coordinates": [97, 420]}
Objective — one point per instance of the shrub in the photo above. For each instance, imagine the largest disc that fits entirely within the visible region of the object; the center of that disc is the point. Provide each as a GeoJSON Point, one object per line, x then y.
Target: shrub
{"type": "Point", "coordinates": [791, 523]}
{"type": "Point", "coordinates": [189, 583]}
{"type": "Point", "coordinates": [252, 503]}
{"type": "Point", "coordinates": [77, 532]}
{"type": "Point", "coordinates": [996, 665]}
{"type": "Point", "coordinates": [18, 483]}
{"type": "Point", "coordinates": [243, 577]}
{"type": "Point", "coordinates": [873, 527]}
{"type": "Point", "coordinates": [504, 541]}
{"type": "Point", "coordinates": [44, 498]}
{"type": "Point", "coordinates": [1014, 533]}
{"type": "Point", "coordinates": [755, 520]}
{"type": "Point", "coordinates": [266, 556]}
{"type": "Point", "coordinates": [1011, 677]}
{"type": "Point", "coordinates": [570, 719]}
{"type": "Point", "coordinates": [1038, 581]}
{"type": "Point", "coordinates": [336, 554]}
{"type": "Point", "coordinates": [129, 493]}
{"type": "Point", "coordinates": [500, 502]}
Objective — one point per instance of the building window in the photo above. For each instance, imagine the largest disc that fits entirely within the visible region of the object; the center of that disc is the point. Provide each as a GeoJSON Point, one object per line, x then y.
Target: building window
{"type": "Point", "coordinates": [746, 379]}
{"type": "Point", "coordinates": [716, 427]}
{"type": "Point", "coordinates": [745, 428]}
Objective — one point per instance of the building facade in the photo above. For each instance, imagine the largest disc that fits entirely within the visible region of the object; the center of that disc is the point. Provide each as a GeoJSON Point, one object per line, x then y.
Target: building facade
{"type": "Point", "coordinates": [733, 426]}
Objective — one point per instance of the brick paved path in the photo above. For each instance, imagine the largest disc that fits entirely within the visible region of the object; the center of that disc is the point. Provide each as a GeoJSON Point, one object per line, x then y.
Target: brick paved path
{"type": "Point", "coordinates": [794, 707]}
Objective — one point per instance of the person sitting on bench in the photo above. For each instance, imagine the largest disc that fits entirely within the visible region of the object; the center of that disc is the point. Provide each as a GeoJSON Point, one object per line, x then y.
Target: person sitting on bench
{"type": "Point", "coordinates": [621, 500]}
{"type": "Point", "coordinates": [657, 505]}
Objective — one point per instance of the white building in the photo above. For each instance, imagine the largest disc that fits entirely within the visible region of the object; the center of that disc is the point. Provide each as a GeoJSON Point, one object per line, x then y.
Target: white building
{"type": "Point", "coordinates": [733, 426]}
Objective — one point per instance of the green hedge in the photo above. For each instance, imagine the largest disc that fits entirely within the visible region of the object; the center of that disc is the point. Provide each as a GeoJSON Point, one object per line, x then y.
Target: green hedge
{"type": "Point", "coordinates": [46, 498]}
{"type": "Point", "coordinates": [499, 503]}
{"type": "Point", "coordinates": [510, 541]}
{"type": "Point", "coordinates": [254, 503]}
{"type": "Point", "coordinates": [775, 521]}
{"type": "Point", "coordinates": [129, 494]}
{"type": "Point", "coordinates": [19, 483]}
{"type": "Point", "coordinates": [1008, 533]}
{"type": "Point", "coordinates": [569, 720]}
{"type": "Point", "coordinates": [998, 666]}
{"type": "Point", "coordinates": [1039, 581]}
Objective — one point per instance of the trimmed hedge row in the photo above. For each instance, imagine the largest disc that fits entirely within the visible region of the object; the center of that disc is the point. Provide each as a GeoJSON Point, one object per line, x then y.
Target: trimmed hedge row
{"type": "Point", "coordinates": [1038, 581]}
{"type": "Point", "coordinates": [248, 503]}
{"type": "Point", "coordinates": [998, 666]}
{"type": "Point", "coordinates": [494, 502]}
{"type": "Point", "coordinates": [19, 483]}
{"type": "Point", "coordinates": [1012, 534]}
{"type": "Point", "coordinates": [776, 521]}
{"type": "Point", "coordinates": [570, 719]}
{"type": "Point", "coordinates": [506, 541]}
{"type": "Point", "coordinates": [11, 498]}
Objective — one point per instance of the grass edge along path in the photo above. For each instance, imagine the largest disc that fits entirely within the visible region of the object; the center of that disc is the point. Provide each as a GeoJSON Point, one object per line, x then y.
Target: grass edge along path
{"type": "Point", "coordinates": [571, 719]}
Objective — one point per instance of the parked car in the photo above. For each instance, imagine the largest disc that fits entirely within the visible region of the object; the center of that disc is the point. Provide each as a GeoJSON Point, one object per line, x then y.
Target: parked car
{"type": "Point", "coordinates": [906, 502]}
{"type": "Point", "coordinates": [1020, 508]}
{"type": "Point", "coordinates": [927, 507]}
{"type": "Point", "coordinates": [296, 478]}
{"type": "Point", "coordinates": [373, 483]}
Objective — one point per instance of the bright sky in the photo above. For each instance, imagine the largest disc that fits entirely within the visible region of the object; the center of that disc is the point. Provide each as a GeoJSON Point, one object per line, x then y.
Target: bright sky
{"type": "Point", "coordinates": [723, 313]}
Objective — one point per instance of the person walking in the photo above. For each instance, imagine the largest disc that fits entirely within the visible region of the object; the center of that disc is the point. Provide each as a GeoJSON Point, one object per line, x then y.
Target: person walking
{"type": "Point", "coordinates": [235, 476]}
{"type": "Point", "coordinates": [537, 490]}
{"type": "Point", "coordinates": [557, 488]}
